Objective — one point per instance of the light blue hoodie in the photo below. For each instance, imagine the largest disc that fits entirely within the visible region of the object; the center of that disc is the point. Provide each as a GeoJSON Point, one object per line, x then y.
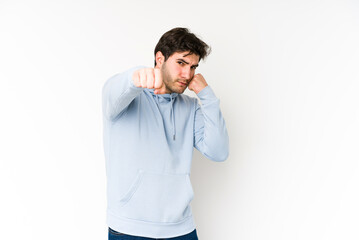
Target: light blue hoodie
{"type": "Point", "coordinates": [148, 145]}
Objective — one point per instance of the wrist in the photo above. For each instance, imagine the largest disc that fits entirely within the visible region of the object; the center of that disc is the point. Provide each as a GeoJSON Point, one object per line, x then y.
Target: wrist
{"type": "Point", "coordinates": [197, 91]}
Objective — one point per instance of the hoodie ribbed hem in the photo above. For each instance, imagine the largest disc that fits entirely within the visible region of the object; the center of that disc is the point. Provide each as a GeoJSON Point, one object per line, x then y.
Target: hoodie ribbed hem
{"type": "Point", "coordinates": [149, 229]}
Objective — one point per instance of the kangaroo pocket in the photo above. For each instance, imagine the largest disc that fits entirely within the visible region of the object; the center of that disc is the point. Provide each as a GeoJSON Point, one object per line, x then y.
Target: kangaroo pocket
{"type": "Point", "coordinates": [157, 197]}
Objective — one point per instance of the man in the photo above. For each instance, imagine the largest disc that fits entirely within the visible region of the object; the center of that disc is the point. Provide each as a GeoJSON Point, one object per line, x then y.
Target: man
{"type": "Point", "coordinates": [150, 129]}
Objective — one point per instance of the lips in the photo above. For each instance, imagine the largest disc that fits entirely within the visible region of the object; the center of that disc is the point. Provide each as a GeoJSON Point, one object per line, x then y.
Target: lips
{"type": "Point", "coordinates": [183, 83]}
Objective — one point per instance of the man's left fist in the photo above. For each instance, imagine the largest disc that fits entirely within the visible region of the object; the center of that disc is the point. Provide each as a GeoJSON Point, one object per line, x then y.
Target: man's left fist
{"type": "Point", "coordinates": [197, 83]}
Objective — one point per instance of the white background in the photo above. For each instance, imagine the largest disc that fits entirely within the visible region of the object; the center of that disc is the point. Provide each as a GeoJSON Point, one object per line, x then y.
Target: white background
{"type": "Point", "coordinates": [286, 73]}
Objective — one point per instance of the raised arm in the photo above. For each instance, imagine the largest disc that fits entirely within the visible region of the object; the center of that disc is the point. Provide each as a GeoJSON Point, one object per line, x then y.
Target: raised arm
{"type": "Point", "coordinates": [210, 132]}
{"type": "Point", "coordinates": [120, 90]}
{"type": "Point", "coordinates": [210, 136]}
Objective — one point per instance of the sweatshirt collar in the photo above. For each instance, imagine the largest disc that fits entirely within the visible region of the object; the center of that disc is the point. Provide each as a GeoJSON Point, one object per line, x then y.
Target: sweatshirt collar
{"type": "Point", "coordinates": [170, 97]}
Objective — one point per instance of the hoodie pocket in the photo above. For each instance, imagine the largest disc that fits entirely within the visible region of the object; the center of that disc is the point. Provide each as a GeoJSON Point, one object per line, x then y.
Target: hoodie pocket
{"type": "Point", "coordinates": [158, 197]}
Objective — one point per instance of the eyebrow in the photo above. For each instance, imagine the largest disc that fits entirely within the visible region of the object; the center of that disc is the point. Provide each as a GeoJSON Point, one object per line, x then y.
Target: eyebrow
{"type": "Point", "coordinates": [180, 59]}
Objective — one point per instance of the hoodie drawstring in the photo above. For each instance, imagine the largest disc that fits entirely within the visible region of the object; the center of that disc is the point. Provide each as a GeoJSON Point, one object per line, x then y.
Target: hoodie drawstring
{"type": "Point", "coordinates": [172, 116]}
{"type": "Point", "coordinates": [173, 121]}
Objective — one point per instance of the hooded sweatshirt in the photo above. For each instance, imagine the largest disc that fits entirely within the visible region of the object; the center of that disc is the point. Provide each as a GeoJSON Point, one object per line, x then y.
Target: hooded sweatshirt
{"type": "Point", "coordinates": [148, 145]}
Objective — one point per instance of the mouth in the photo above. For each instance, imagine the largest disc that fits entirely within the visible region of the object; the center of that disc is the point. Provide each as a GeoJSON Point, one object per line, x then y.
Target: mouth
{"type": "Point", "coordinates": [183, 83]}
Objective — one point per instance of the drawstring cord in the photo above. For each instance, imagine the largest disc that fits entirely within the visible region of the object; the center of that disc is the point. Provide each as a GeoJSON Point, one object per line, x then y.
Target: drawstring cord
{"type": "Point", "coordinates": [172, 116]}
{"type": "Point", "coordinates": [173, 121]}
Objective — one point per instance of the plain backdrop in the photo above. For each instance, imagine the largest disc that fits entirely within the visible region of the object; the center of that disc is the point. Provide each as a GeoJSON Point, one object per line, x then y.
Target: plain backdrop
{"type": "Point", "coordinates": [285, 71]}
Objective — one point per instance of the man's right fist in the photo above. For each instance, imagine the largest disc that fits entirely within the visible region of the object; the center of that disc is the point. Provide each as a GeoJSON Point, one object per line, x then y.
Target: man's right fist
{"type": "Point", "coordinates": [149, 78]}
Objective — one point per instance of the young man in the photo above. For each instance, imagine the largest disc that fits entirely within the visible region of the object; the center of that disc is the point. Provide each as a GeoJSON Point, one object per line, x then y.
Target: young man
{"type": "Point", "coordinates": [150, 129]}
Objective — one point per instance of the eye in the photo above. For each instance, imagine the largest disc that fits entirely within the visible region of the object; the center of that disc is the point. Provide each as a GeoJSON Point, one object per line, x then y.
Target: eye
{"type": "Point", "coordinates": [193, 67]}
{"type": "Point", "coordinates": [180, 63]}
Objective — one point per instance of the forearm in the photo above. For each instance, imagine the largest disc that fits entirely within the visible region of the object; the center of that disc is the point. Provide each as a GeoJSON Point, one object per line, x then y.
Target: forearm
{"type": "Point", "coordinates": [118, 92]}
{"type": "Point", "coordinates": [211, 137]}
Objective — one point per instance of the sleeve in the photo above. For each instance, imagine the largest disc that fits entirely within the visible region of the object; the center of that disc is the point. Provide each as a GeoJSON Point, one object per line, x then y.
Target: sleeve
{"type": "Point", "coordinates": [210, 132]}
{"type": "Point", "coordinates": [118, 92]}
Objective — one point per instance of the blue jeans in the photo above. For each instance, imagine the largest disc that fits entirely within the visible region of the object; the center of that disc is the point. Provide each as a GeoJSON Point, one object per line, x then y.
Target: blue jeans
{"type": "Point", "coordinates": [114, 235]}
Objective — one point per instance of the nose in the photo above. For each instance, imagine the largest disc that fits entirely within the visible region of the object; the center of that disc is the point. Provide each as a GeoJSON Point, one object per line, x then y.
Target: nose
{"type": "Point", "coordinates": [186, 73]}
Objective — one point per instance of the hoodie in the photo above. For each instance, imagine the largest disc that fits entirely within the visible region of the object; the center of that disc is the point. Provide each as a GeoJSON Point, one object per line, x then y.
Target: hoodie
{"type": "Point", "coordinates": [148, 145]}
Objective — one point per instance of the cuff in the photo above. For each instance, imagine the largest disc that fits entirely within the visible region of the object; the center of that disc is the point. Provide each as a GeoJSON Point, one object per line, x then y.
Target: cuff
{"type": "Point", "coordinates": [207, 95]}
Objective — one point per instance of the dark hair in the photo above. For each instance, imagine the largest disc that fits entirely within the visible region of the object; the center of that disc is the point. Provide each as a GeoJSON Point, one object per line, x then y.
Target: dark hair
{"type": "Point", "coordinates": [181, 40]}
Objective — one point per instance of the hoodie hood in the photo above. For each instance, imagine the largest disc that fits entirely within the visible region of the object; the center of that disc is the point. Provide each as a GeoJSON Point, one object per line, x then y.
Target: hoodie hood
{"type": "Point", "coordinates": [167, 97]}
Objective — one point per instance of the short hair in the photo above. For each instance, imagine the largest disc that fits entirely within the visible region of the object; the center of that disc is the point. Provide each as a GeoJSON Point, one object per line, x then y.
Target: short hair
{"type": "Point", "coordinates": [181, 40]}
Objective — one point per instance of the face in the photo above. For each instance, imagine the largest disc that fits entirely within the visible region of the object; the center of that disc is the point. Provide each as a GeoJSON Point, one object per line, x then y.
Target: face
{"type": "Point", "coordinates": [178, 70]}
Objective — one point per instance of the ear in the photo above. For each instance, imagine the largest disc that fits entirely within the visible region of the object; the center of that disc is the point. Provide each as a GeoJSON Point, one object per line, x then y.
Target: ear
{"type": "Point", "coordinates": [159, 59]}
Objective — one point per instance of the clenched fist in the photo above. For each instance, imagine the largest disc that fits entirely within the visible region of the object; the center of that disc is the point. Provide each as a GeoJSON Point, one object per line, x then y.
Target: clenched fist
{"type": "Point", "coordinates": [197, 83]}
{"type": "Point", "coordinates": [149, 78]}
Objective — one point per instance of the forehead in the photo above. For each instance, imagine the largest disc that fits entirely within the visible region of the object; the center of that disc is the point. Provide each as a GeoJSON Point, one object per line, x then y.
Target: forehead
{"type": "Point", "coordinates": [190, 58]}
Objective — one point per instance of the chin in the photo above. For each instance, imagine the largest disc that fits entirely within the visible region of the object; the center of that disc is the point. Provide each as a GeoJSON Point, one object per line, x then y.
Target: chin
{"type": "Point", "coordinates": [181, 91]}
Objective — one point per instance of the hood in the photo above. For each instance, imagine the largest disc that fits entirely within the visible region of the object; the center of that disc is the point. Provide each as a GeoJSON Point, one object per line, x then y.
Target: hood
{"type": "Point", "coordinates": [169, 97]}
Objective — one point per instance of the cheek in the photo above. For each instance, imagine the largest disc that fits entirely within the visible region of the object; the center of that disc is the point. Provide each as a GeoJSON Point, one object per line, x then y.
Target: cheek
{"type": "Point", "coordinates": [177, 70]}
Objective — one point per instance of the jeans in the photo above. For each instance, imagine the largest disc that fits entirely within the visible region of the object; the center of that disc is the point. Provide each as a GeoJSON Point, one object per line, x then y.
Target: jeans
{"type": "Point", "coordinates": [114, 235]}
